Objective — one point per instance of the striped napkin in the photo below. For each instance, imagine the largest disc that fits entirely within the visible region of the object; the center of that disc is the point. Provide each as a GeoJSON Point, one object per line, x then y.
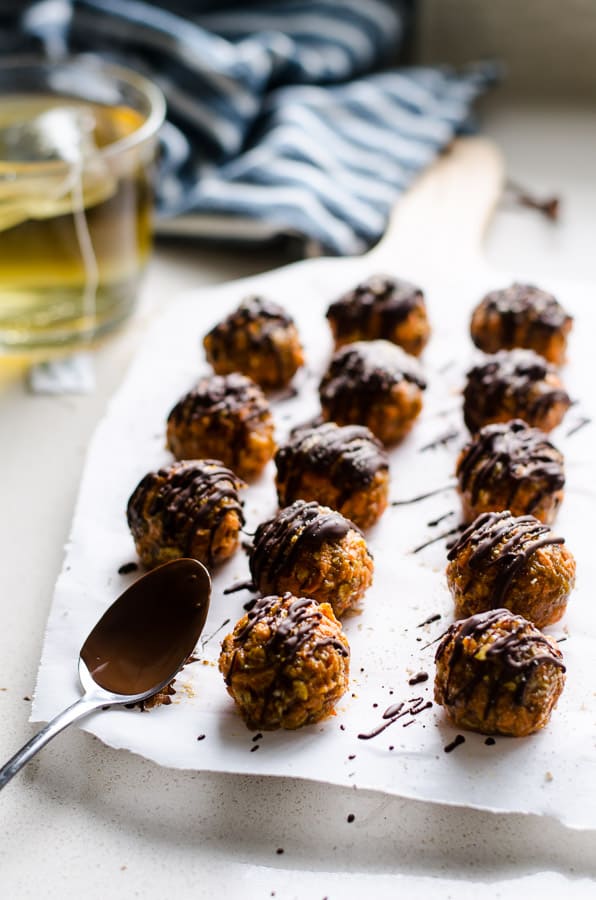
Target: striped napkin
{"type": "Point", "coordinates": [283, 117]}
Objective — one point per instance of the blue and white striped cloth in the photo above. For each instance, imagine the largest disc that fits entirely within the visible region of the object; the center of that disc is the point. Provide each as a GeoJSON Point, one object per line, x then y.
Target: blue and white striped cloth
{"type": "Point", "coordinates": [282, 116]}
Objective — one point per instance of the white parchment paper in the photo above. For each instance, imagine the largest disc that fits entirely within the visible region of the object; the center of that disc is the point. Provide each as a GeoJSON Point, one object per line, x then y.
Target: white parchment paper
{"type": "Point", "coordinates": [551, 773]}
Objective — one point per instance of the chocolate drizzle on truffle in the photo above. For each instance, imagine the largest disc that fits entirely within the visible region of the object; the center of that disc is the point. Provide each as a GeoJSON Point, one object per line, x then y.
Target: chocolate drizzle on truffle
{"type": "Point", "coordinates": [278, 542]}
{"type": "Point", "coordinates": [350, 456]}
{"type": "Point", "coordinates": [387, 299]}
{"type": "Point", "coordinates": [513, 656]}
{"type": "Point", "coordinates": [291, 627]}
{"type": "Point", "coordinates": [186, 496]}
{"type": "Point", "coordinates": [225, 411]}
{"type": "Point", "coordinates": [515, 375]}
{"type": "Point", "coordinates": [268, 317]}
{"type": "Point", "coordinates": [524, 305]}
{"type": "Point", "coordinates": [504, 542]}
{"type": "Point", "coordinates": [364, 372]}
{"type": "Point", "coordinates": [513, 453]}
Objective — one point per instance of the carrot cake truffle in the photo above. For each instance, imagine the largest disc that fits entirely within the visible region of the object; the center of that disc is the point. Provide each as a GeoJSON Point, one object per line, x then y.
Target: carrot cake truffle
{"type": "Point", "coordinates": [259, 339]}
{"type": "Point", "coordinates": [312, 551]}
{"type": "Point", "coordinates": [188, 509]}
{"type": "Point", "coordinates": [510, 561]}
{"type": "Point", "coordinates": [224, 417]}
{"type": "Point", "coordinates": [511, 466]}
{"type": "Point", "coordinates": [381, 307]}
{"type": "Point", "coordinates": [498, 674]}
{"type": "Point", "coordinates": [344, 467]}
{"type": "Point", "coordinates": [373, 383]}
{"type": "Point", "coordinates": [514, 384]}
{"type": "Point", "coordinates": [522, 316]}
{"type": "Point", "coordinates": [286, 663]}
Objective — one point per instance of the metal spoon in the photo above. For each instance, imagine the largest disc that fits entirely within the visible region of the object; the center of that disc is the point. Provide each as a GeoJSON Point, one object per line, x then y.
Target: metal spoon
{"type": "Point", "coordinates": [136, 648]}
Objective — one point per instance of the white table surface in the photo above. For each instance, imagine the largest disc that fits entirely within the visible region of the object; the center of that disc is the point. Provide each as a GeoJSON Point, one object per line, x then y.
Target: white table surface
{"type": "Point", "coordinates": [85, 819]}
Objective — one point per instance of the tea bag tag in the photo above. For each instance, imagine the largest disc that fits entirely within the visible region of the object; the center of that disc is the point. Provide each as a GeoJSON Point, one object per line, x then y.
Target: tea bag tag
{"type": "Point", "coordinates": [73, 374]}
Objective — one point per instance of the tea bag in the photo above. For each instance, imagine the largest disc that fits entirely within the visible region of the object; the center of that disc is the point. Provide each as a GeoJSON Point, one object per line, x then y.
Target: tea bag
{"type": "Point", "coordinates": [59, 134]}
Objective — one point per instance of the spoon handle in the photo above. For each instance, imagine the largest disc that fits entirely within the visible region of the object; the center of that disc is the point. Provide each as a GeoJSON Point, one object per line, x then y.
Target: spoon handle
{"type": "Point", "coordinates": [80, 708]}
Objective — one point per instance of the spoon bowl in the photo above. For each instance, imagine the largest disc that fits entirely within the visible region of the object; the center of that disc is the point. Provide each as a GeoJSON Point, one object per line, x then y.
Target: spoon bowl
{"type": "Point", "coordinates": [135, 649]}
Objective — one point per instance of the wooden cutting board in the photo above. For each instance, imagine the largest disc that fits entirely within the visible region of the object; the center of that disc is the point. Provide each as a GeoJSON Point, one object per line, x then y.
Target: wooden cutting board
{"type": "Point", "coordinates": [441, 221]}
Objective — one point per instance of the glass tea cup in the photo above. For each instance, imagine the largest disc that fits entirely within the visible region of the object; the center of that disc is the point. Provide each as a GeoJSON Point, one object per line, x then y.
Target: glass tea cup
{"type": "Point", "coordinates": [77, 145]}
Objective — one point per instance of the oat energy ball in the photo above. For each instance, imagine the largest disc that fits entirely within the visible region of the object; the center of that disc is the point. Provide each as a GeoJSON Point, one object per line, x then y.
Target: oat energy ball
{"type": "Point", "coordinates": [381, 307]}
{"type": "Point", "coordinates": [522, 316]}
{"type": "Point", "coordinates": [497, 674]}
{"type": "Point", "coordinates": [510, 466]}
{"type": "Point", "coordinates": [514, 384]}
{"type": "Point", "coordinates": [312, 551]}
{"type": "Point", "coordinates": [188, 509]}
{"type": "Point", "coordinates": [373, 383]}
{"type": "Point", "coordinates": [344, 467]}
{"type": "Point", "coordinates": [511, 561]}
{"type": "Point", "coordinates": [224, 417]}
{"type": "Point", "coordinates": [286, 664]}
{"type": "Point", "coordinates": [259, 339]}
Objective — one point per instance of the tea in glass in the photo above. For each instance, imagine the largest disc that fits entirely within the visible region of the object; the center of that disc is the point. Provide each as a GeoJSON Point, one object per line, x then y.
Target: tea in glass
{"type": "Point", "coordinates": [75, 199]}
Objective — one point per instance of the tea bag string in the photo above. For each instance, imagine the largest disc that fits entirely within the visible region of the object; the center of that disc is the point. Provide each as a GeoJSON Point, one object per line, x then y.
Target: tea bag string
{"type": "Point", "coordinates": [85, 243]}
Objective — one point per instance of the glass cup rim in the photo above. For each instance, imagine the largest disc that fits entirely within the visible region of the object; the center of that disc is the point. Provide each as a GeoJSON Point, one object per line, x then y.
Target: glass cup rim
{"type": "Point", "coordinates": [147, 130]}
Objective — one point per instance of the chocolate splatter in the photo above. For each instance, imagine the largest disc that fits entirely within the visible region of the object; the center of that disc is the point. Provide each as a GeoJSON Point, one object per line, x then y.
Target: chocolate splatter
{"type": "Point", "coordinates": [396, 711]}
{"type": "Point", "coordinates": [456, 742]}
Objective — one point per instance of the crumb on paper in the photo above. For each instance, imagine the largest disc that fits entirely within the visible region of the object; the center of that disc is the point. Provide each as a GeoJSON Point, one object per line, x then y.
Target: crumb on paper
{"type": "Point", "coordinates": [548, 776]}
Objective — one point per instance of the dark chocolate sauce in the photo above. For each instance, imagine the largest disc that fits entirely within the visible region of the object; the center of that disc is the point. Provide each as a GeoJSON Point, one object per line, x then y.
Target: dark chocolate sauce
{"type": "Point", "coordinates": [515, 649]}
{"type": "Point", "coordinates": [280, 541]}
{"type": "Point", "coordinates": [511, 378]}
{"type": "Point", "coordinates": [434, 618]}
{"type": "Point", "coordinates": [374, 308]}
{"type": "Point", "coordinates": [419, 678]}
{"type": "Point", "coordinates": [363, 373]}
{"type": "Point", "coordinates": [349, 457]}
{"type": "Point", "coordinates": [127, 568]}
{"type": "Point", "coordinates": [514, 456]}
{"type": "Point", "coordinates": [154, 625]}
{"type": "Point", "coordinates": [504, 543]}
{"type": "Point", "coordinates": [456, 742]}
{"type": "Point", "coordinates": [184, 498]}
{"type": "Point", "coordinates": [490, 742]}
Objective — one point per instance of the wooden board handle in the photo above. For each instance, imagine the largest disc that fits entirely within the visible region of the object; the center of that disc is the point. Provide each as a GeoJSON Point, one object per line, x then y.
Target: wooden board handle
{"type": "Point", "coordinates": [442, 219]}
